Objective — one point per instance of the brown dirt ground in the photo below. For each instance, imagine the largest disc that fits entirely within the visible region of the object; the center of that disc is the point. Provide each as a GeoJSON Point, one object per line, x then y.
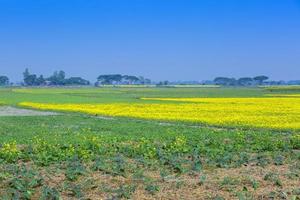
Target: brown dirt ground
{"type": "Point", "coordinates": [188, 186]}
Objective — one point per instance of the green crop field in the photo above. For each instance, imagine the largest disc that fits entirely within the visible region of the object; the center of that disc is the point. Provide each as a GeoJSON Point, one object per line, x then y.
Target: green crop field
{"type": "Point", "coordinates": [82, 155]}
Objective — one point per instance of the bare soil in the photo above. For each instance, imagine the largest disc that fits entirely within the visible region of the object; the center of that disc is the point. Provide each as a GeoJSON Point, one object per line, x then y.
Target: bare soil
{"type": "Point", "coordinates": [12, 111]}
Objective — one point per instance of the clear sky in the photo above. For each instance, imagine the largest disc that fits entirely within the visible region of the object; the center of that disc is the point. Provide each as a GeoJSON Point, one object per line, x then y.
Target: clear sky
{"type": "Point", "coordinates": [159, 39]}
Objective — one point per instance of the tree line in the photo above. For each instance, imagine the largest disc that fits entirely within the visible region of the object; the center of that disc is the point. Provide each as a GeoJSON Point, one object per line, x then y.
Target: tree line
{"type": "Point", "coordinates": [116, 79]}
{"type": "Point", "coordinates": [244, 81]}
{"type": "Point", "coordinates": [58, 78]}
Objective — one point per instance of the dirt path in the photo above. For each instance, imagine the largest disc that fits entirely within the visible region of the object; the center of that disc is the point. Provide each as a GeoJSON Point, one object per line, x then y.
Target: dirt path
{"type": "Point", "coordinates": [11, 111]}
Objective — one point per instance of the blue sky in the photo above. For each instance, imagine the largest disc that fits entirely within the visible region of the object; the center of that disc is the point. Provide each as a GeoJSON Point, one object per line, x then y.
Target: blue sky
{"type": "Point", "coordinates": [159, 39]}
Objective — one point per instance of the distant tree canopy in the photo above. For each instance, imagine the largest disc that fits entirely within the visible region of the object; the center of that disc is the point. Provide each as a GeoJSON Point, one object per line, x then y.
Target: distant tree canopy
{"type": "Point", "coordinates": [225, 81]}
{"type": "Point", "coordinates": [109, 79]}
{"type": "Point", "coordinates": [244, 81]}
{"type": "Point", "coordinates": [163, 83]}
{"type": "Point", "coordinates": [4, 80]}
{"type": "Point", "coordinates": [130, 79]}
{"type": "Point", "coordinates": [30, 79]}
{"type": "Point", "coordinates": [144, 81]}
{"type": "Point", "coordinates": [260, 79]}
{"type": "Point", "coordinates": [58, 78]}
{"type": "Point", "coordinates": [40, 80]}
{"type": "Point", "coordinates": [76, 81]}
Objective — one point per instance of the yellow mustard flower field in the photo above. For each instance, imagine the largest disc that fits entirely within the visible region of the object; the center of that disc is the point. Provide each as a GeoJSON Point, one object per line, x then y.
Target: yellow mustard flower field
{"type": "Point", "coordinates": [274, 113]}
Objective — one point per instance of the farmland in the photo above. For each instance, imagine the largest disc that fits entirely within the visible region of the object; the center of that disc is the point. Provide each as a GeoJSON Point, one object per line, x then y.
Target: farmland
{"type": "Point", "coordinates": [151, 143]}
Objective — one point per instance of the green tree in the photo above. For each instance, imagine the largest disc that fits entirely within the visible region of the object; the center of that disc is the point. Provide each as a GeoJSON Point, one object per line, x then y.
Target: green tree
{"type": "Point", "coordinates": [4, 80]}
{"type": "Point", "coordinates": [260, 79]}
{"type": "Point", "coordinates": [142, 80]}
{"type": "Point", "coordinates": [58, 78]}
{"type": "Point", "coordinates": [147, 81]}
{"type": "Point", "coordinates": [225, 81]}
{"type": "Point", "coordinates": [26, 73]}
{"type": "Point", "coordinates": [245, 81]}
{"type": "Point", "coordinates": [32, 79]}
{"type": "Point", "coordinates": [130, 79]}
{"type": "Point", "coordinates": [40, 80]}
{"type": "Point", "coordinates": [76, 81]}
{"type": "Point", "coordinates": [29, 79]}
{"type": "Point", "coordinates": [109, 79]}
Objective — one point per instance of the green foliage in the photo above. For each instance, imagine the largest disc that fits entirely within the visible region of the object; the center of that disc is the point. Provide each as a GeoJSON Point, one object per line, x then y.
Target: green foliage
{"type": "Point", "coordinates": [152, 188]}
{"type": "Point", "coordinates": [74, 190]}
{"type": "Point", "coordinates": [4, 80]}
{"type": "Point", "coordinates": [229, 181]}
{"type": "Point", "coordinates": [49, 193]}
{"type": "Point", "coordinates": [124, 191]}
{"type": "Point", "coordinates": [262, 160]}
{"type": "Point", "coordinates": [254, 184]}
{"type": "Point", "coordinates": [279, 160]}
{"type": "Point", "coordinates": [202, 179]}
{"type": "Point", "coordinates": [74, 169]}
{"type": "Point", "coordinates": [261, 79]}
{"type": "Point", "coordinates": [273, 177]}
{"type": "Point", "coordinates": [23, 182]}
{"type": "Point", "coordinates": [9, 151]}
